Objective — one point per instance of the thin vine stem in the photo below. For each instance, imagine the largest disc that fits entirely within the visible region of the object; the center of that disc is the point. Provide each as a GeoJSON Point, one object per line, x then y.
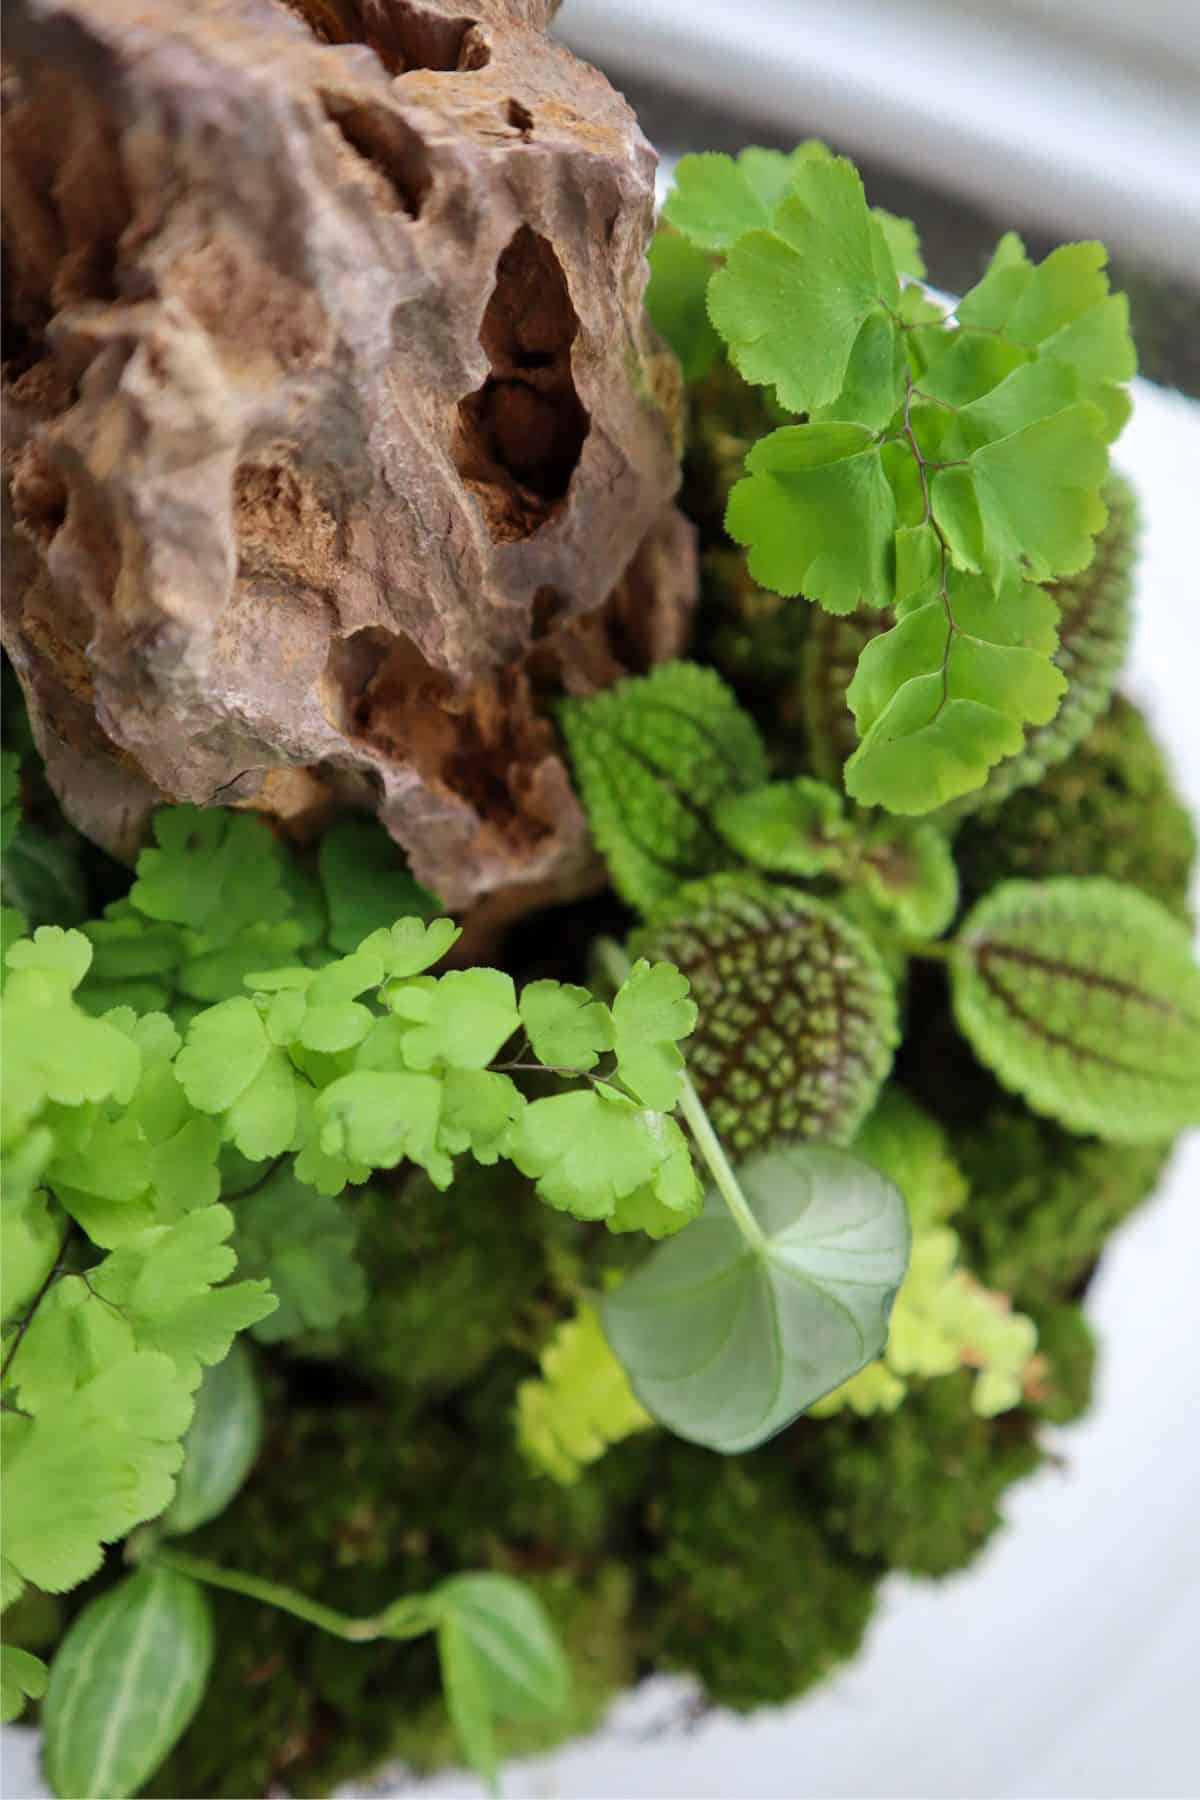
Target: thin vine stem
{"type": "Point", "coordinates": [617, 966]}
{"type": "Point", "coordinates": [389, 1623]}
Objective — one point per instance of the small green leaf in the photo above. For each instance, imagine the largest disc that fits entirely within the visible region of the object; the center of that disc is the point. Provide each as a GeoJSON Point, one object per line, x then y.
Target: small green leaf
{"type": "Point", "coordinates": [304, 1245]}
{"type": "Point", "coordinates": [908, 871]}
{"type": "Point", "coordinates": [377, 1118]}
{"type": "Point", "coordinates": [226, 1047]}
{"type": "Point", "coordinates": [568, 1027]}
{"type": "Point", "coordinates": [22, 1677]}
{"type": "Point", "coordinates": [652, 757]}
{"type": "Point", "coordinates": [651, 1014]}
{"type": "Point", "coordinates": [903, 244]}
{"type": "Point", "coordinates": [588, 1151]}
{"type": "Point", "coordinates": [221, 1444]}
{"type": "Point", "coordinates": [411, 945]}
{"type": "Point", "coordinates": [365, 882]}
{"type": "Point", "coordinates": [795, 827]}
{"type": "Point", "coordinates": [817, 515]}
{"type": "Point", "coordinates": [462, 1020]}
{"type": "Point", "coordinates": [726, 1342]}
{"type": "Point", "coordinates": [716, 198]}
{"type": "Point", "coordinates": [1084, 998]}
{"type": "Point", "coordinates": [677, 301]}
{"type": "Point", "coordinates": [499, 1658]}
{"type": "Point", "coordinates": [124, 1684]}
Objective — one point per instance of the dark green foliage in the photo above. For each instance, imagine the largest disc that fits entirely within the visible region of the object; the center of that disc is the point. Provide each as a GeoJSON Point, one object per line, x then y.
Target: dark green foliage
{"type": "Point", "coordinates": [1042, 1199]}
{"type": "Point", "coordinates": [920, 1488]}
{"type": "Point", "coordinates": [1109, 809]}
{"type": "Point", "coordinates": [746, 1589]}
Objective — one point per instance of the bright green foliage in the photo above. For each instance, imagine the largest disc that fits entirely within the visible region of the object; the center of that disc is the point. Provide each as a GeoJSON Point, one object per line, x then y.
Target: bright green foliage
{"type": "Point", "coordinates": [651, 1014]}
{"type": "Point", "coordinates": [22, 1677]}
{"type": "Point", "coordinates": [305, 1243]}
{"type": "Point", "coordinates": [726, 1337]}
{"type": "Point", "coordinates": [221, 1444]}
{"type": "Point", "coordinates": [125, 1683]}
{"type": "Point", "coordinates": [499, 1659]}
{"type": "Point", "coordinates": [567, 1028]}
{"type": "Point", "coordinates": [596, 1153]}
{"type": "Point", "coordinates": [944, 463]}
{"type": "Point", "coordinates": [1084, 998]}
{"type": "Point", "coordinates": [1109, 809]}
{"type": "Point", "coordinates": [677, 301]}
{"type": "Point", "coordinates": [796, 1019]}
{"type": "Point", "coordinates": [365, 882]}
{"type": "Point", "coordinates": [582, 1402]}
{"type": "Point", "coordinates": [746, 1588]}
{"type": "Point", "coordinates": [652, 757]}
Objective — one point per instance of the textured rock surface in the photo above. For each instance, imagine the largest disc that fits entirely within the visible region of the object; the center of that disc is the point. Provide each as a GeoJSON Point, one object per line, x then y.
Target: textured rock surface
{"type": "Point", "coordinates": [332, 421]}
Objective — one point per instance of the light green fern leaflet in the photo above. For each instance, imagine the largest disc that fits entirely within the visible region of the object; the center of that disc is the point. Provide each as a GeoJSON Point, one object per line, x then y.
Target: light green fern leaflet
{"type": "Point", "coordinates": [581, 1404]}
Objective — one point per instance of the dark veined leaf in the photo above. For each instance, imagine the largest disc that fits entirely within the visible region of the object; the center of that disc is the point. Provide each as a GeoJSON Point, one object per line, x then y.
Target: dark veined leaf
{"type": "Point", "coordinates": [499, 1660]}
{"type": "Point", "coordinates": [948, 691]}
{"type": "Point", "coordinates": [796, 1014]}
{"type": "Point", "coordinates": [125, 1683]}
{"type": "Point", "coordinates": [725, 1341]}
{"type": "Point", "coordinates": [652, 756]}
{"type": "Point", "coordinates": [677, 301]}
{"type": "Point", "coordinates": [1083, 997]}
{"type": "Point", "coordinates": [22, 1677]}
{"type": "Point", "coordinates": [221, 1443]}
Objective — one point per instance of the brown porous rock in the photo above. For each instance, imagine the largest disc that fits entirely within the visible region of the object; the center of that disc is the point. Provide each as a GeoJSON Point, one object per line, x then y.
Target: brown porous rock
{"type": "Point", "coordinates": [336, 441]}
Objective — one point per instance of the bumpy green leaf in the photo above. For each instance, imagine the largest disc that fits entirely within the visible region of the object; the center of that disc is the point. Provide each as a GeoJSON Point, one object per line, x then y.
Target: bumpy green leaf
{"type": "Point", "coordinates": [907, 869]}
{"type": "Point", "coordinates": [677, 301]}
{"type": "Point", "coordinates": [365, 883]}
{"type": "Point", "coordinates": [817, 515]}
{"type": "Point", "coordinates": [221, 1445]}
{"type": "Point", "coordinates": [581, 1404]}
{"type": "Point", "coordinates": [796, 1016]}
{"type": "Point", "coordinates": [125, 1683]}
{"type": "Point", "coordinates": [791, 301]}
{"type": "Point", "coordinates": [725, 1341]}
{"type": "Point", "coordinates": [1084, 998]}
{"type": "Point", "coordinates": [304, 1245]}
{"type": "Point", "coordinates": [947, 692]}
{"type": "Point", "coordinates": [652, 758]}
{"type": "Point", "coordinates": [22, 1677]}
{"type": "Point", "coordinates": [792, 827]}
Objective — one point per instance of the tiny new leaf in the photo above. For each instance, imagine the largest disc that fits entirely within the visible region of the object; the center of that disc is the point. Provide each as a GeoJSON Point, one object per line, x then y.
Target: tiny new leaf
{"type": "Point", "coordinates": [726, 1341]}
{"type": "Point", "coordinates": [1084, 998]}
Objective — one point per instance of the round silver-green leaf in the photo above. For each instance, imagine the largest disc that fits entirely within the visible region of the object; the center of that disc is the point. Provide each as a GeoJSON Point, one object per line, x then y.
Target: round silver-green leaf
{"type": "Point", "coordinates": [125, 1683]}
{"type": "Point", "coordinates": [726, 1342]}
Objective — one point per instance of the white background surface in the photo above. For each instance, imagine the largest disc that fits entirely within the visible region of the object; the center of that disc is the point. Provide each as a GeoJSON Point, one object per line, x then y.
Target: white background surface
{"type": "Point", "coordinates": [1062, 1665]}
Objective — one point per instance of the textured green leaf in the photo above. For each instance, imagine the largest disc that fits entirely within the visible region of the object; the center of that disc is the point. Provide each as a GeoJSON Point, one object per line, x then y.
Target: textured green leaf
{"type": "Point", "coordinates": [1084, 998]}
{"type": "Point", "coordinates": [125, 1684]}
{"type": "Point", "coordinates": [817, 515]}
{"type": "Point", "coordinates": [790, 302]}
{"type": "Point", "coordinates": [796, 1016]}
{"type": "Point", "coordinates": [677, 301]}
{"type": "Point", "coordinates": [22, 1677]}
{"type": "Point", "coordinates": [365, 883]}
{"type": "Point", "coordinates": [567, 1026]}
{"type": "Point", "coordinates": [793, 827]}
{"type": "Point", "coordinates": [947, 692]}
{"type": "Point", "coordinates": [221, 1444]}
{"type": "Point", "coordinates": [726, 1342]}
{"type": "Point", "coordinates": [652, 757]}
{"type": "Point", "coordinates": [651, 1013]}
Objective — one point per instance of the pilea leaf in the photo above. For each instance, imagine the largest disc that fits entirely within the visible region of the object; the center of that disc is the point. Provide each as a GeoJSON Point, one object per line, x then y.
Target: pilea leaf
{"type": "Point", "coordinates": [797, 1017]}
{"type": "Point", "coordinates": [1082, 995]}
{"type": "Point", "coordinates": [652, 757]}
{"type": "Point", "coordinates": [124, 1684]}
{"type": "Point", "coordinates": [221, 1443]}
{"type": "Point", "coordinates": [725, 1341]}
{"type": "Point", "coordinates": [581, 1403]}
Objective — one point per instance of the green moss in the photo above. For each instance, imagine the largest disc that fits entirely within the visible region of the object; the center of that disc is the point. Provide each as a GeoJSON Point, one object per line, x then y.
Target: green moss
{"type": "Point", "coordinates": [1109, 809]}
{"type": "Point", "coordinates": [920, 1488]}
{"type": "Point", "coordinates": [745, 1589]}
{"type": "Point", "coordinates": [1067, 1361]}
{"type": "Point", "coordinates": [1042, 1201]}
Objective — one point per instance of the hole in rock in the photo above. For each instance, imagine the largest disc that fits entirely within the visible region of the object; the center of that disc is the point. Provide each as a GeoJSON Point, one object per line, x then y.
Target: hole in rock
{"type": "Point", "coordinates": [519, 437]}
{"type": "Point", "coordinates": [397, 162]}
{"type": "Point", "coordinates": [403, 34]}
{"type": "Point", "coordinates": [518, 116]}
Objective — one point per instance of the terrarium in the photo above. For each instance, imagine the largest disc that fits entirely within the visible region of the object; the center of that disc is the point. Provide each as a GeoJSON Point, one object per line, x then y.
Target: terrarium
{"type": "Point", "coordinates": [592, 949]}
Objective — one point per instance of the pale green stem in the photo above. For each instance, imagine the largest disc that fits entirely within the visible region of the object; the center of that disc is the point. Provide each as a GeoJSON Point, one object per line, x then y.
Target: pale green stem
{"type": "Point", "coordinates": [272, 1593]}
{"type": "Point", "coordinates": [707, 1142]}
